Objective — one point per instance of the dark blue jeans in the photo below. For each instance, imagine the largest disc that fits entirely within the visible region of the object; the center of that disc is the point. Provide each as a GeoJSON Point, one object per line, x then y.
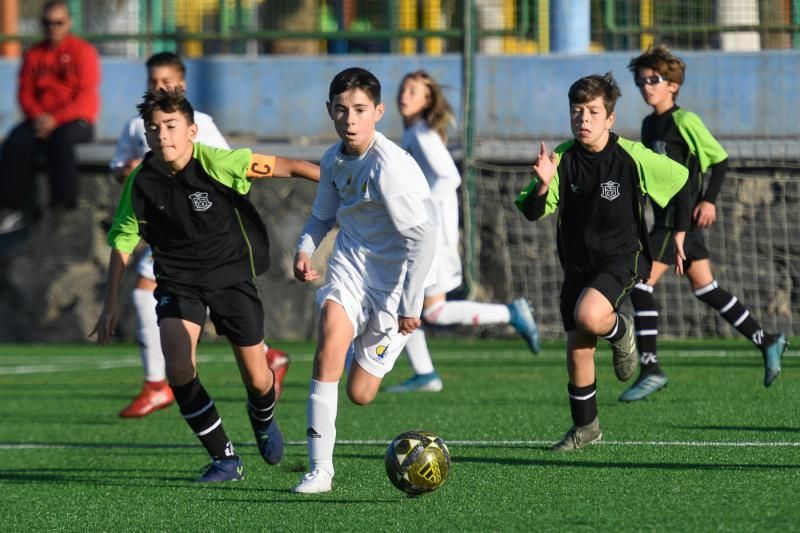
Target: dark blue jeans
{"type": "Point", "coordinates": [19, 161]}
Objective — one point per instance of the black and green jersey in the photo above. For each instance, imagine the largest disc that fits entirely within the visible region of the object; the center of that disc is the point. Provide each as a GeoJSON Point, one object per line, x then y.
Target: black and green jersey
{"type": "Point", "coordinates": [202, 227]}
{"type": "Point", "coordinates": [599, 198]}
{"type": "Point", "coordinates": [682, 136]}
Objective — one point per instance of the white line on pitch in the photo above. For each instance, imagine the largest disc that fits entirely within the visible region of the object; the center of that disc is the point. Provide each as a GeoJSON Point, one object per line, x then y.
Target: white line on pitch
{"type": "Point", "coordinates": [463, 444]}
{"type": "Point", "coordinates": [73, 365]}
{"type": "Point", "coordinates": [88, 362]}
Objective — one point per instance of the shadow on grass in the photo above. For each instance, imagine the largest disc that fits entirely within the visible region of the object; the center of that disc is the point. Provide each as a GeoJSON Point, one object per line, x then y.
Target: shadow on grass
{"type": "Point", "coordinates": [556, 463]}
{"type": "Point", "coordinates": [764, 429]}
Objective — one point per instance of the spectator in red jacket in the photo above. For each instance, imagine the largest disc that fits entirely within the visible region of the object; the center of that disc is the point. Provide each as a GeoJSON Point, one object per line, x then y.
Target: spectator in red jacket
{"type": "Point", "coordinates": [59, 96]}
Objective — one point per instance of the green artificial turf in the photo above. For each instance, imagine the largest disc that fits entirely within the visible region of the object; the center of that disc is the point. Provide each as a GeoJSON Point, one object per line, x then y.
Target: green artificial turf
{"type": "Point", "coordinates": [714, 451]}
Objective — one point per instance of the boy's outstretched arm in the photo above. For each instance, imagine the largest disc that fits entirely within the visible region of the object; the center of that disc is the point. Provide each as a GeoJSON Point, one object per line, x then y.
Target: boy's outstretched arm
{"type": "Point", "coordinates": [107, 321]}
{"type": "Point", "coordinates": [545, 168]}
{"type": "Point", "coordinates": [270, 166]}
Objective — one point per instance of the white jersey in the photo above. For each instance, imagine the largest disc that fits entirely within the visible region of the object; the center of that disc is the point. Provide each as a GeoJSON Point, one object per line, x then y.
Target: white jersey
{"type": "Point", "coordinates": [374, 197]}
{"type": "Point", "coordinates": [132, 143]}
{"type": "Point", "coordinates": [440, 170]}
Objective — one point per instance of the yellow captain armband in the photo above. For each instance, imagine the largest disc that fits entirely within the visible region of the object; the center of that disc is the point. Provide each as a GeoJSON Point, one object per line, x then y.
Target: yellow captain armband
{"type": "Point", "coordinates": [261, 166]}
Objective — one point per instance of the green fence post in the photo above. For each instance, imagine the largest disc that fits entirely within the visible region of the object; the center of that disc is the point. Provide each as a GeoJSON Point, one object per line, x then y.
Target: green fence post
{"type": "Point", "coordinates": [471, 248]}
{"type": "Point", "coordinates": [76, 12]}
{"type": "Point", "coordinates": [144, 25]}
{"type": "Point", "coordinates": [169, 25]}
{"type": "Point", "coordinates": [157, 24]}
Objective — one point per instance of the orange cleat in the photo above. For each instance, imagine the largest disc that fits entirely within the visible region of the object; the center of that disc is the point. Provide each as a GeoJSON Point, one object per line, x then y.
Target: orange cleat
{"type": "Point", "coordinates": [278, 361]}
{"type": "Point", "coordinates": [155, 395]}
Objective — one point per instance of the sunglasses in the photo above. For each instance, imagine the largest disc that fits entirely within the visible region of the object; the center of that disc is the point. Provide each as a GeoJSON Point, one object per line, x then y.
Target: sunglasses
{"type": "Point", "coordinates": [49, 22]}
{"type": "Point", "coordinates": [649, 80]}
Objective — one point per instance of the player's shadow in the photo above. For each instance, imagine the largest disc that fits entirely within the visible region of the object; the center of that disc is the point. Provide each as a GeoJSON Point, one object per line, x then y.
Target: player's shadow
{"type": "Point", "coordinates": [558, 463]}
{"type": "Point", "coordinates": [623, 464]}
{"type": "Point", "coordinates": [119, 477]}
{"type": "Point", "coordinates": [759, 429]}
{"type": "Point", "coordinates": [503, 363]}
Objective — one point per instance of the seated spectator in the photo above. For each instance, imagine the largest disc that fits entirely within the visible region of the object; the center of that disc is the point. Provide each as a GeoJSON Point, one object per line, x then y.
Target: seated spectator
{"type": "Point", "coordinates": [59, 96]}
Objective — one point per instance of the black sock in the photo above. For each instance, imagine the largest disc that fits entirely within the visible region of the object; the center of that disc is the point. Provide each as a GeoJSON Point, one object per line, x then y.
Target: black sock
{"type": "Point", "coordinates": [646, 321]}
{"type": "Point", "coordinates": [199, 411]}
{"type": "Point", "coordinates": [617, 332]}
{"type": "Point", "coordinates": [583, 403]}
{"type": "Point", "coordinates": [731, 310]}
{"type": "Point", "coordinates": [260, 409]}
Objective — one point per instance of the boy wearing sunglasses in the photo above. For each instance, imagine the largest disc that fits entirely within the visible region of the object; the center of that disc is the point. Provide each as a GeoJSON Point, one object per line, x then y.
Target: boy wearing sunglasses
{"type": "Point", "coordinates": [682, 136]}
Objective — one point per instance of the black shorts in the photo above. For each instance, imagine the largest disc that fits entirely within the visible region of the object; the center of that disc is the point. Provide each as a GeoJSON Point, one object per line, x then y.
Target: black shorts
{"type": "Point", "coordinates": [662, 246]}
{"type": "Point", "coordinates": [235, 310]}
{"type": "Point", "coordinates": [614, 281]}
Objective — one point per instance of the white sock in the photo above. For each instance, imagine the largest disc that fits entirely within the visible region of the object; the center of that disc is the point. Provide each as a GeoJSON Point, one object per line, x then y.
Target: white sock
{"type": "Point", "coordinates": [418, 354]}
{"type": "Point", "coordinates": [467, 313]}
{"type": "Point", "coordinates": [148, 335]}
{"type": "Point", "coordinates": [323, 401]}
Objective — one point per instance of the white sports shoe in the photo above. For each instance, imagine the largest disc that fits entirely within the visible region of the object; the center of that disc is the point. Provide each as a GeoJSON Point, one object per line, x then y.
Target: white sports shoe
{"type": "Point", "coordinates": [316, 481]}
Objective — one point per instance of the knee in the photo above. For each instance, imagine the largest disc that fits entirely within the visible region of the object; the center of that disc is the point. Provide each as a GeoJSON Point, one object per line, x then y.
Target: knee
{"type": "Point", "coordinates": [178, 377]}
{"type": "Point", "coordinates": [178, 374]}
{"type": "Point", "coordinates": [590, 319]}
{"type": "Point", "coordinates": [256, 384]}
{"type": "Point", "coordinates": [431, 314]}
{"type": "Point", "coordinates": [360, 397]}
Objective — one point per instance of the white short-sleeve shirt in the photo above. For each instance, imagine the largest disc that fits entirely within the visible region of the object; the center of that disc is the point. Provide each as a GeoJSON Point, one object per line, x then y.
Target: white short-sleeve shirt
{"type": "Point", "coordinates": [373, 197]}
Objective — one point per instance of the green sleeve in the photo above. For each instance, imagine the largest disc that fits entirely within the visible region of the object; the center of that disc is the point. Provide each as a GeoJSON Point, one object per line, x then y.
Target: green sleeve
{"type": "Point", "coordinates": [659, 176]}
{"type": "Point", "coordinates": [228, 167]}
{"type": "Point", "coordinates": [701, 143]}
{"type": "Point", "coordinates": [124, 232]}
{"type": "Point", "coordinates": [551, 202]}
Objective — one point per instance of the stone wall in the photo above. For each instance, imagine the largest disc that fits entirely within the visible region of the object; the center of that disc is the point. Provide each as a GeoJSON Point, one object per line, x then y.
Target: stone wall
{"type": "Point", "coordinates": [52, 279]}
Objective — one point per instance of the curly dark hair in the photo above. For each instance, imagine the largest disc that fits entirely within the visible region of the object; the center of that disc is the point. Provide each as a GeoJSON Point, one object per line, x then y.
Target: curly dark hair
{"type": "Point", "coordinates": [167, 100]}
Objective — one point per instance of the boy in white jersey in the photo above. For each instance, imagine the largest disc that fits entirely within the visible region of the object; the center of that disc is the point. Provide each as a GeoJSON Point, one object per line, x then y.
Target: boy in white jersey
{"type": "Point", "coordinates": [164, 70]}
{"type": "Point", "coordinates": [372, 297]}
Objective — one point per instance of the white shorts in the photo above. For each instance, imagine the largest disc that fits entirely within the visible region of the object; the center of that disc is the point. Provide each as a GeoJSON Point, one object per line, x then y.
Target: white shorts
{"type": "Point", "coordinates": [145, 265]}
{"type": "Point", "coordinates": [376, 341]}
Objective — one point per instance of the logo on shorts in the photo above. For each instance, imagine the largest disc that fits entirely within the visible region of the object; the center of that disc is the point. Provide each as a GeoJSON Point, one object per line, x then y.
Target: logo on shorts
{"type": "Point", "coordinates": [164, 301]}
{"type": "Point", "coordinates": [200, 201]}
{"type": "Point", "coordinates": [381, 350]}
{"type": "Point", "coordinates": [660, 147]}
{"type": "Point", "coordinates": [609, 190]}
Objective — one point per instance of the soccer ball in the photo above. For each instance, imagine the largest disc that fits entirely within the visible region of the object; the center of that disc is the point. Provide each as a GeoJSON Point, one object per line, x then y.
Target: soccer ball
{"type": "Point", "coordinates": [417, 462]}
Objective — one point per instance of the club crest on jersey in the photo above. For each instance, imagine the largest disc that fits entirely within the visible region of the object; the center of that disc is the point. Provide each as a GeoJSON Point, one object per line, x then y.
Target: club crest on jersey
{"type": "Point", "coordinates": [609, 190]}
{"type": "Point", "coordinates": [200, 201]}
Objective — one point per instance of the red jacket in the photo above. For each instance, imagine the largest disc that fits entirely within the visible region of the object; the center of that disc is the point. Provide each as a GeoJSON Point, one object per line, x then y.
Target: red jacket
{"type": "Point", "coordinates": [61, 80]}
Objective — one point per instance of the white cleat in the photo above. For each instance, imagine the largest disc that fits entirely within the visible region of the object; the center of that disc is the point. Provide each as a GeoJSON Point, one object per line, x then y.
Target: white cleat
{"type": "Point", "coordinates": [316, 481]}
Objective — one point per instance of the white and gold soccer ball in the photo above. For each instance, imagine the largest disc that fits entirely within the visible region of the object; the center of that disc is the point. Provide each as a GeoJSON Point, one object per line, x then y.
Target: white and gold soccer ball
{"type": "Point", "coordinates": [417, 462]}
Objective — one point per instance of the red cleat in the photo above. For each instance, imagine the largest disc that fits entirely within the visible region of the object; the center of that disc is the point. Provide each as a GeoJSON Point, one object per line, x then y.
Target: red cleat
{"type": "Point", "coordinates": [278, 361]}
{"type": "Point", "coordinates": [155, 395]}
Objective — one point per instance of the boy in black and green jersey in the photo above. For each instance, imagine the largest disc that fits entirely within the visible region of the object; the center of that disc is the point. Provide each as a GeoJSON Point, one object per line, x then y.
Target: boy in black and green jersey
{"type": "Point", "coordinates": [597, 183]}
{"type": "Point", "coordinates": [189, 203]}
{"type": "Point", "coordinates": [682, 136]}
